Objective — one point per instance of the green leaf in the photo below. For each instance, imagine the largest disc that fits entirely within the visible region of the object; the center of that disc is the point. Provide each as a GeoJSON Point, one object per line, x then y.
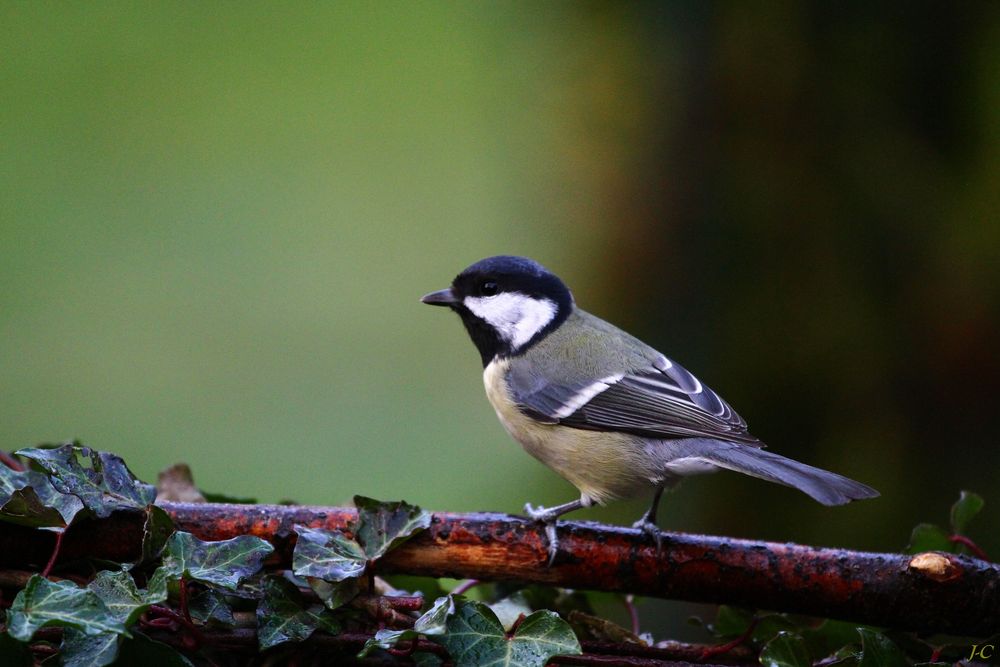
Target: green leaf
{"type": "Point", "coordinates": [431, 623]}
{"type": "Point", "coordinates": [335, 594]}
{"type": "Point", "coordinates": [731, 621]}
{"type": "Point", "coordinates": [29, 499]}
{"type": "Point", "coordinates": [383, 526]}
{"type": "Point", "coordinates": [24, 507]}
{"type": "Point", "coordinates": [105, 486]}
{"type": "Point", "coordinates": [435, 620]}
{"type": "Point", "coordinates": [475, 637]}
{"type": "Point", "coordinates": [122, 597]}
{"type": "Point", "coordinates": [769, 625]}
{"type": "Point", "coordinates": [141, 650]}
{"type": "Point", "coordinates": [965, 508]}
{"type": "Point", "coordinates": [209, 606]}
{"type": "Point", "coordinates": [82, 650]}
{"type": "Point", "coordinates": [282, 615]}
{"type": "Point", "coordinates": [156, 530]}
{"type": "Point", "coordinates": [830, 636]}
{"type": "Point", "coordinates": [14, 653]}
{"type": "Point", "coordinates": [785, 650]}
{"type": "Point", "coordinates": [511, 608]}
{"type": "Point", "coordinates": [327, 554]}
{"type": "Point", "coordinates": [386, 639]}
{"type": "Point", "coordinates": [225, 564]}
{"type": "Point", "coordinates": [43, 603]}
{"type": "Point", "coordinates": [877, 650]}
{"type": "Point", "coordinates": [231, 500]}
{"type": "Point", "coordinates": [929, 537]}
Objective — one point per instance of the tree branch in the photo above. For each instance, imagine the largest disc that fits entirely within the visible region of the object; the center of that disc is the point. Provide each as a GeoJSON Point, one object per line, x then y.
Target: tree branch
{"type": "Point", "coordinates": [930, 592]}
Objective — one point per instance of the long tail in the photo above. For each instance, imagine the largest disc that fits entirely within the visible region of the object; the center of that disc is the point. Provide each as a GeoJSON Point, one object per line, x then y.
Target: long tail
{"type": "Point", "coordinates": [826, 487]}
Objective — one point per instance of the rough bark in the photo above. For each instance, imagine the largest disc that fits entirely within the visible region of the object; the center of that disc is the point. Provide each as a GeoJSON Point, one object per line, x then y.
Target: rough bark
{"type": "Point", "coordinates": [931, 592]}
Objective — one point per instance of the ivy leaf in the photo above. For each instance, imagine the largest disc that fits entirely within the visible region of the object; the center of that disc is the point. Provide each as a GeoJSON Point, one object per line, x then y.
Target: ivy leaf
{"type": "Point", "coordinates": [29, 499]}
{"type": "Point", "coordinates": [386, 639]}
{"type": "Point", "coordinates": [769, 625]}
{"type": "Point", "coordinates": [141, 650]}
{"type": "Point", "coordinates": [510, 608]}
{"type": "Point", "coordinates": [105, 486]}
{"type": "Point", "coordinates": [230, 500]}
{"type": "Point", "coordinates": [595, 627]}
{"type": "Point", "coordinates": [79, 649]}
{"type": "Point", "coordinates": [830, 636]}
{"type": "Point", "coordinates": [43, 603]}
{"type": "Point", "coordinates": [13, 653]}
{"type": "Point", "coordinates": [121, 596]}
{"type": "Point", "coordinates": [210, 607]}
{"type": "Point", "coordinates": [731, 621]}
{"type": "Point", "coordinates": [283, 617]}
{"type": "Point", "coordinates": [475, 637]}
{"type": "Point", "coordinates": [432, 623]}
{"type": "Point", "coordinates": [965, 508]}
{"type": "Point", "coordinates": [335, 594]}
{"type": "Point", "coordinates": [435, 620]}
{"type": "Point", "coordinates": [327, 554]}
{"type": "Point", "coordinates": [929, 537]}
{"type": "Point", "coordinates": [383, 526]}
{"type": "Point", "coordinates": [424, 659]}
{"type": "Point", "coordinates": [156, 530]}
{"type": "Point", "coordinates": [787, 649]}
{"type": "Point", "coordinates": [877, 650]}
{"type": "Point", "coordinates": [225, 564]}
{"type": "Point", "coordinates": [24, 507]}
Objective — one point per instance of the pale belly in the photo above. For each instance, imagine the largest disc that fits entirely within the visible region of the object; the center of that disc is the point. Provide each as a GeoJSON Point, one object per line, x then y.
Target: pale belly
{"type": "Point", "coordinates": [603, 466]}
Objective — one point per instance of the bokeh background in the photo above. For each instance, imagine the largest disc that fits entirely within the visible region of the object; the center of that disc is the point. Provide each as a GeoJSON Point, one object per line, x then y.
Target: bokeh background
{"type": "Point", "coordinates": [216, 220]}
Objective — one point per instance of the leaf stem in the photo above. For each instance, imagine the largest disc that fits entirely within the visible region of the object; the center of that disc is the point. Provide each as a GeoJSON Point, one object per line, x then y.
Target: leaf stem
{"type": "Point", "coordinates": [465, 586]}
{"type": "Point", "coordinates": [976, 550]}
{"type": "Point", "coordinates": [729, 646]}
{"type": "Point", "coordinates": [182, 588]}
{"type": "Point", "coordinates": [10, 461]}
{"type": "Point", "coordinates": [55, 553]}
{"type": "Point", "coordinates": [633, 613]}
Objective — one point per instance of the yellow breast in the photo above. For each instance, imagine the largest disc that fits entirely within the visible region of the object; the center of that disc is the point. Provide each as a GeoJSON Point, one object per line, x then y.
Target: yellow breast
{"type": "Point", "coordinates": [602, 465]}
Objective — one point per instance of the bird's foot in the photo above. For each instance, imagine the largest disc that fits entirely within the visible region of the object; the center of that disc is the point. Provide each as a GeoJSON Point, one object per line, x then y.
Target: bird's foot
{"type": "Point", "coordinates": [546, 516]}
{"type": "Point", "coordinates": [651, 529]}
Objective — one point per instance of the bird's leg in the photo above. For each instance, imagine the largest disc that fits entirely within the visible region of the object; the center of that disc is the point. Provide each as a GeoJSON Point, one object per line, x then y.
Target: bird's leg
{"type": "Point", "coordinates": [647, 523]}
{"type": "Point", "coordinates": [548, 516]}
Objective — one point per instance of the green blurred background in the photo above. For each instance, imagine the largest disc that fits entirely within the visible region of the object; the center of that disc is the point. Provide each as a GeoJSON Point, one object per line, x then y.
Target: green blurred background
{"type": "Point", "coordinates": [216, 220]}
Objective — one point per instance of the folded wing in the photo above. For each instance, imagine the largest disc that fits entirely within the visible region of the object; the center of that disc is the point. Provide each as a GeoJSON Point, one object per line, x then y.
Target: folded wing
{"type": "Point", "coordinates": [661, 401]}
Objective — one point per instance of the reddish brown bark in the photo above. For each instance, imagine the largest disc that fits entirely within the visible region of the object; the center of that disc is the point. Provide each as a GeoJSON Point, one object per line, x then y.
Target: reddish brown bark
{"type": "Point", "coordinates": [928, 593]}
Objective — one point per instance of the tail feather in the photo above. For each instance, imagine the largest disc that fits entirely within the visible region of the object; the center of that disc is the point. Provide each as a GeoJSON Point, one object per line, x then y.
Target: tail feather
{"type": "Point", "coordinates": [826, 487]}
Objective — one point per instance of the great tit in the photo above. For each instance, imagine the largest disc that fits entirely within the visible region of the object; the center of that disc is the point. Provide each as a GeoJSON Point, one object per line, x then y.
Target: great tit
{"type": "Point", "coordinates": [601, 408]}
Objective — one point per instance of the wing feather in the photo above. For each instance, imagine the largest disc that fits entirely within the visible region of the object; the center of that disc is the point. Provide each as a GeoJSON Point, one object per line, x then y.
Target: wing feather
{"type": "Point", "coordinates": [661, 401]}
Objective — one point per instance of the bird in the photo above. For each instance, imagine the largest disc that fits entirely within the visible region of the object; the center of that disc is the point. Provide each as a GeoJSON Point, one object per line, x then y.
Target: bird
{"type": "Point", "coordinates": [607, 412]}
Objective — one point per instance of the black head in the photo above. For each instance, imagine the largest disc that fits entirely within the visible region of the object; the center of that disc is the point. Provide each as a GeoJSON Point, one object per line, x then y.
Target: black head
{"type": "Point", "coordinates": [506, 303]}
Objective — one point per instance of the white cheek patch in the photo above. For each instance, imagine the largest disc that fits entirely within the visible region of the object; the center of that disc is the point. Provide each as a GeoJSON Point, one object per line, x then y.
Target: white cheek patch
{"type": "Point", "coordinates": [515, 316]}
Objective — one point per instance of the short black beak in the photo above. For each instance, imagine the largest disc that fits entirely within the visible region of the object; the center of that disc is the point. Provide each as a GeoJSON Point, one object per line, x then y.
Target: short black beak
{"type": "Point", "coordinates": [443, 297]}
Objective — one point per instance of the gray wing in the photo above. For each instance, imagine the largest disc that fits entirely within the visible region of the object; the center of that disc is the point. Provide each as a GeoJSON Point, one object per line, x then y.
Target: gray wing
{"type": "Point", "coordinates": [662, 401]}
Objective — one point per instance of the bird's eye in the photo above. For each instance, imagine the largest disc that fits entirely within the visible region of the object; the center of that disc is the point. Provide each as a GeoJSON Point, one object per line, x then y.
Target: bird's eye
{"type": "Point", "coordinates": [489, 288]}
